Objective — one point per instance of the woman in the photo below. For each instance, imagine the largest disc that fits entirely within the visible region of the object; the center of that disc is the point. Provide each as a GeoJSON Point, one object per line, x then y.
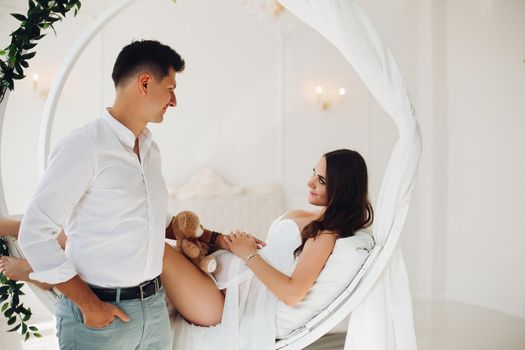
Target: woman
{"type": "Point", "coordinates": [299, 244]}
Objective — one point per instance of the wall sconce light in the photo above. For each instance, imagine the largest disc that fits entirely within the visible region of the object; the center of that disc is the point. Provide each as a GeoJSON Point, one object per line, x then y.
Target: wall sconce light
{"type": "Point", "coordinates": [327, 98]}
{"type": "Point", "coordinates": [40, 87]}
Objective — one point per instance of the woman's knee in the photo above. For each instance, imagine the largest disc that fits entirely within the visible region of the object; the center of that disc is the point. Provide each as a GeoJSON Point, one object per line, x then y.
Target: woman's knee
{"type": "Point", "coordinates": [206, 320]}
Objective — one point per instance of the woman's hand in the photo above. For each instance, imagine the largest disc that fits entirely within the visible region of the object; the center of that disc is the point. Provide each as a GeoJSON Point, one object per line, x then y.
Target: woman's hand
{"type": "Point", "coordinates": [241, 244]}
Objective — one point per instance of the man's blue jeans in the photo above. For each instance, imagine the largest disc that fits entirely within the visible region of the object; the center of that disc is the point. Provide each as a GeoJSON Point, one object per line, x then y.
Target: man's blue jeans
{"type": "Point", "coordinates": [148, 327]}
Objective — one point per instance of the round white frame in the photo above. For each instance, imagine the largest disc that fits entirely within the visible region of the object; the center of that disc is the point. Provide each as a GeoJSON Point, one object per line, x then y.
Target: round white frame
{"type": "Point", "coordinates": [321, 324]}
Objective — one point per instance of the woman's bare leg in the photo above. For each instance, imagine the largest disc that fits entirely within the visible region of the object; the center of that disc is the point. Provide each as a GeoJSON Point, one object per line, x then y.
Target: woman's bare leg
{"type": "Point", "coordinates": [18, 270]}
{"type": "Point", "coordinates": [191, 291]}
{"type": "Point", "coordinates": [14, 268]}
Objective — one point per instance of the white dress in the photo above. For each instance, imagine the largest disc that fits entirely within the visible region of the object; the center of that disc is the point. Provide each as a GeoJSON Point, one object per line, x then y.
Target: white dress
{"type": "Point", "coordinates": [249, 316]}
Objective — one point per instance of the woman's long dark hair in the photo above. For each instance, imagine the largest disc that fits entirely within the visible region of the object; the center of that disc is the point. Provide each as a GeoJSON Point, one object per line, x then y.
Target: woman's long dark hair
{"type": "Point", "coordinates": [348, 208]}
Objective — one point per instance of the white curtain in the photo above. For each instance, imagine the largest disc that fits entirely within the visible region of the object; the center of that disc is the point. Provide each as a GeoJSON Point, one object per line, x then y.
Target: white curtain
{"type": "Point", "coordinates": [383, 320]}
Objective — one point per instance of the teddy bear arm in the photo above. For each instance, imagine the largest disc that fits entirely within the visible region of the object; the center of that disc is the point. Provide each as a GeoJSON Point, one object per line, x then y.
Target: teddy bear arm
{"type": "Point", "coordinates": [191, 249]}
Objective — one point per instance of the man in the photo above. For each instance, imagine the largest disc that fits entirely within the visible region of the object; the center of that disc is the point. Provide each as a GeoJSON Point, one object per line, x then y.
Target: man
{"type": "Point", "coordinates": [104, 186]}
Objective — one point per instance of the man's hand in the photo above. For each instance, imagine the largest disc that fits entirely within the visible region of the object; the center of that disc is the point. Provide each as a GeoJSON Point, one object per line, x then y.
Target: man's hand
{"type": "Point", "coordinates": [96, 313]}
{"type": "Point", "coordinates": [102, 315]}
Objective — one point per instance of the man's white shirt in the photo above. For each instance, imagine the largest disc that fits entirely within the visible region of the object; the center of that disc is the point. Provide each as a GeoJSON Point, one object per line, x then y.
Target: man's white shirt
{"type": "Point", "coordinates": [112, 207]}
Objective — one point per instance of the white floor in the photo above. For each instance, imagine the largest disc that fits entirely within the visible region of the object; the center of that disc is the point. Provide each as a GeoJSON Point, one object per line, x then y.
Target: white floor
{"type": "Point", "coordinates": [448, 325]}
{"type": "Point", "coordinates": [440, 325]}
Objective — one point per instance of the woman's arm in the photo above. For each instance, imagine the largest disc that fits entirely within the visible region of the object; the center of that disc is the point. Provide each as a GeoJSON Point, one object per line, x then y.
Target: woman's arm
{"type": "Point", "coordinates": [9, 227]}
{"type": "Point", "coordinates": [289, 289]}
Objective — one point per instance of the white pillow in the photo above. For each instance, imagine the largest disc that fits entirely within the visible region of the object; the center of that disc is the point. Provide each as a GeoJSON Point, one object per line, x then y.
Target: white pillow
{"type": "Point", "coordinates": [348, 256]}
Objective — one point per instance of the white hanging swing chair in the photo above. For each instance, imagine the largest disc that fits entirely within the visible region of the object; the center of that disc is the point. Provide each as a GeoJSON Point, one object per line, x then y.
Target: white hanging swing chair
{"type": "Point", "coordinates": [378, 297]}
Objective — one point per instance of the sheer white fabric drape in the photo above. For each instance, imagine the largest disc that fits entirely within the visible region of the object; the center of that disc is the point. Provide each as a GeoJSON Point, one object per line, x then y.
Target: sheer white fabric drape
{"type": "Point", "coordinates": [383, 320]}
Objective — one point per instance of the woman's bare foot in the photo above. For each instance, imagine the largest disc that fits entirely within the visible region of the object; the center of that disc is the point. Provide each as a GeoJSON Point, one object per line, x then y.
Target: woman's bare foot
{"type": "Point", "coordinates": [15, 269]}
{"type": "Point", "coordinates": [18, 270]}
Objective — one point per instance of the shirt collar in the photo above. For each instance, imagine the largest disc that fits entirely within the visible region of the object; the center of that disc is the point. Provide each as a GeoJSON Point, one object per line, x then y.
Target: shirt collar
{"type": "Point", "coordinates": [125, 135]}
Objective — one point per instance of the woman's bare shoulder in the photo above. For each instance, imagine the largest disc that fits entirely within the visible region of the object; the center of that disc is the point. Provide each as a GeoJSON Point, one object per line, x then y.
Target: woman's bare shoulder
{"type": "Point", "coordinates": [300, 215]}
{"type": "Point", "coordinates": [324, 240]}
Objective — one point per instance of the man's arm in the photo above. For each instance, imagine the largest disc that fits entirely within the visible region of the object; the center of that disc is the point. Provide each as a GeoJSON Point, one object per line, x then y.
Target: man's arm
{"type": "Point", "coordinates": [66, 180]}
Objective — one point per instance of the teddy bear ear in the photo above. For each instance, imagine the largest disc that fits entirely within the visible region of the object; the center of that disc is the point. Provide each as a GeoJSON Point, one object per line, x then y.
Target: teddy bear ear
{"type": "Point", "coordinates": [175, 225]}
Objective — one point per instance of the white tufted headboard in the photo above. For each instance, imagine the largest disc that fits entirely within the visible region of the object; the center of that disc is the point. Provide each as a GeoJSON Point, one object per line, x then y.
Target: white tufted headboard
{"type": "Point", "coordinates": [224, 207]}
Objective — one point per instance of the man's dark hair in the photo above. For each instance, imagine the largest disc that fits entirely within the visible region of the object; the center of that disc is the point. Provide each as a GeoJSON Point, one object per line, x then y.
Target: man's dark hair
{"type": "Point", "coordinates": [147, 55]}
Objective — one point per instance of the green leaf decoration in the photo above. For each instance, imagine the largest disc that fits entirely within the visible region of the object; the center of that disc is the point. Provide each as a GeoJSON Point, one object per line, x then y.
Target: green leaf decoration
{"type": "Point", "coordinates": [29, 46]}
{"type": "Point", "coordinates": [15, 300]}
{"type": "Point", "coordinates": [19, 16]}
{"type": "Point", "coordinates": [19, 69]}
{"type": "Point", "coordinates": [18, 76]}
{"type": "Point", "coordinates": [9, 312]}
{"type": "Point", "coordinates": [15, 328]}
{"type": "Point", "coordinates": [11, 320]}
{"type": "Point", "coordinates": [41, 15]}
{"type": "Point", "coordinates": [24, 311]}
{"type": "Point", "coordinates": [28, 55]}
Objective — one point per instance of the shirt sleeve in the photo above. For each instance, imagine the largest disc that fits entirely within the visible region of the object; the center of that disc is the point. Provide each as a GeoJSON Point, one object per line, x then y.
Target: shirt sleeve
{"type": "Point", "coordinates": [69, 173]}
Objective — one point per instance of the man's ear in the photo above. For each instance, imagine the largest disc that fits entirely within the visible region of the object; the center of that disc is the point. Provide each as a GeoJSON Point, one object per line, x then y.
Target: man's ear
{"type": "Point", "coordinates": [143, 82]}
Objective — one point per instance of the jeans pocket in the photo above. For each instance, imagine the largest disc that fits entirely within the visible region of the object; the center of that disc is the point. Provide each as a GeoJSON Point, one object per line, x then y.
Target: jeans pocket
{"type": "Point", "coordinates": [100, 329]}
{"type": "Point", "coordinates": [79, 318]}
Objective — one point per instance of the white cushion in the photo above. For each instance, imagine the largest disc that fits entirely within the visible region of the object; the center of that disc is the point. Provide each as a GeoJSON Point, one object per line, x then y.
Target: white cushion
{"type": "Point", "coordinates": [348, 256]}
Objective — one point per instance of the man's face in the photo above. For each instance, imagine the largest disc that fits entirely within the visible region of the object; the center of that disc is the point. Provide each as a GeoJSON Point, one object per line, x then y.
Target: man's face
{"type": "Point", "coordinates": [161, 95]}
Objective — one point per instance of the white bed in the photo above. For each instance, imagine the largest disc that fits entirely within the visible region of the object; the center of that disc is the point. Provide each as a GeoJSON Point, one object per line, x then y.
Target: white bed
{"type": "Point", "coordinates": [224, 207]}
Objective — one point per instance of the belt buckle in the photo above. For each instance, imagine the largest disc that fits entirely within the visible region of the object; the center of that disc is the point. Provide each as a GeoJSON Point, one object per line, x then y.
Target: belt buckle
{"type": "Point", "coordinates": [141, 286]}
{"type": "Point", "coordinates": [144, 284]}
{"type": "Point", "coordinates": [156, 281]}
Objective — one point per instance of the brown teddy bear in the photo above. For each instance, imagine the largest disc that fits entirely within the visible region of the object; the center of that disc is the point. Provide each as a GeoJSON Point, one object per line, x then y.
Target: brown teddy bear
{"type": "Point", "coordinates": [187, 230]}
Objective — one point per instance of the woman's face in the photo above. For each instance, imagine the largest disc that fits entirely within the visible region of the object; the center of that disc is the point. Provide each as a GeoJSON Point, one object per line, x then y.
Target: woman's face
{"type": "Point", "coordinates": [317, 185]}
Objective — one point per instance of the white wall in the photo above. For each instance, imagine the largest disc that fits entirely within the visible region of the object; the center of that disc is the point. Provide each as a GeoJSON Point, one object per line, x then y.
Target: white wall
{"type": "Point", "coordinates": [22, 121]}
{"type": "Point", "coordinates": [486, 146]}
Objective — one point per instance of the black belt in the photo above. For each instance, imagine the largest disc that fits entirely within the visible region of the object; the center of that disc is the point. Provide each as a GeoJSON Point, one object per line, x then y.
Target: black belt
{"type": "Point", "coordinates": [142, 291]}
